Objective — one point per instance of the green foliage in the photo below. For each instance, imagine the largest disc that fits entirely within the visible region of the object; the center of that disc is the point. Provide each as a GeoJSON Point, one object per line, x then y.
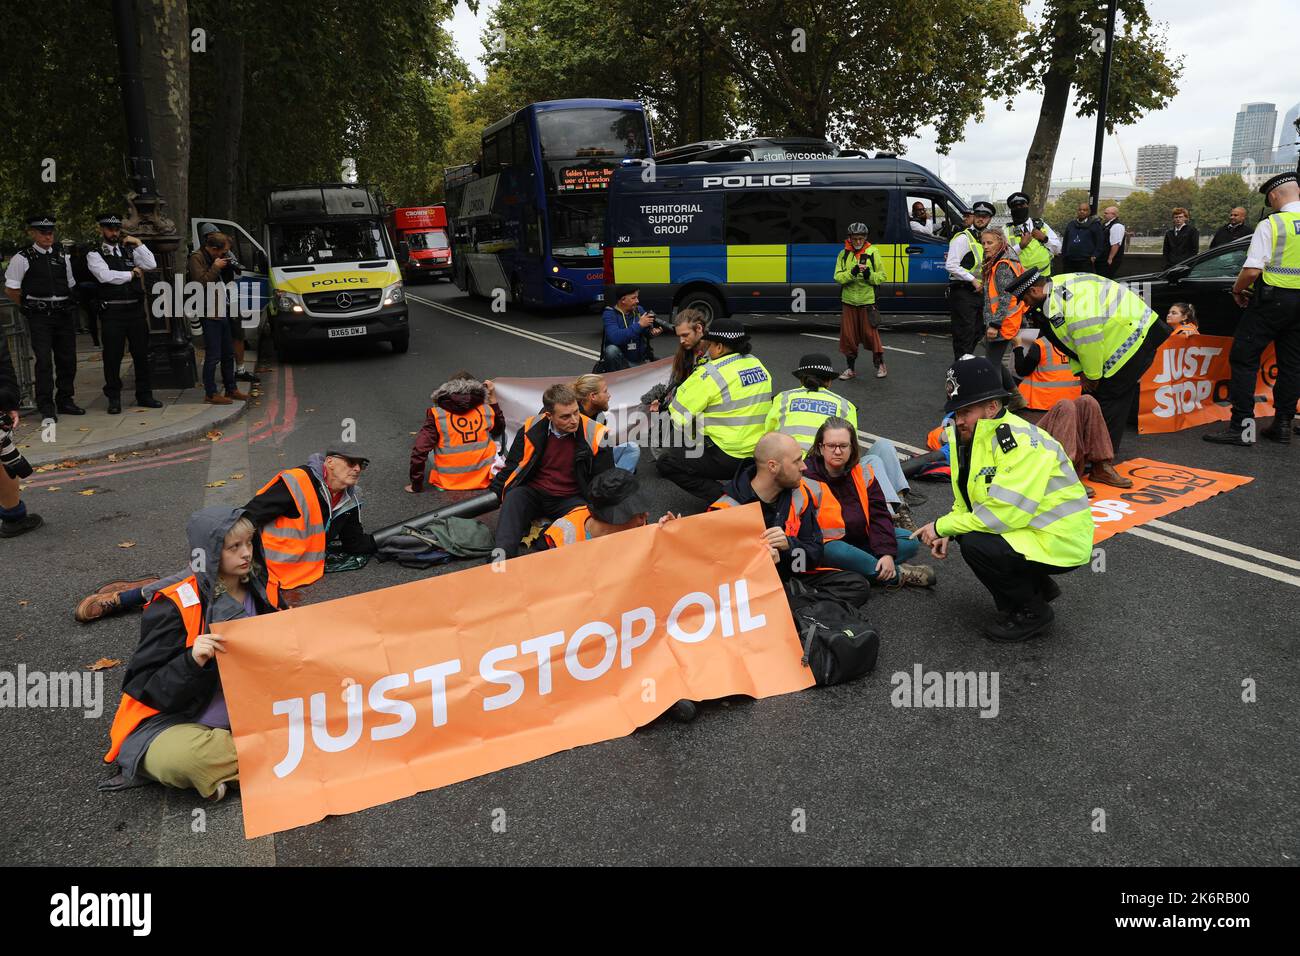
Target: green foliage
{"type": "Point", "coordinates": [1066, 208]}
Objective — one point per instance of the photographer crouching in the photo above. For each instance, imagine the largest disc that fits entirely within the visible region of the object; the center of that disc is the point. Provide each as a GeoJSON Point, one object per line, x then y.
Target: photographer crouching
{"type": "Point", "coordinates": [625, 339]}
{"type": "Point", "coordinates": [14, 519]}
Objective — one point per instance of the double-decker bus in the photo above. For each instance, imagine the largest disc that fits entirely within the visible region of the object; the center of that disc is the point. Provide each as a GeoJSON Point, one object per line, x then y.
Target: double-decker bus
{"type": "Point", "coordinates": [529, 216]}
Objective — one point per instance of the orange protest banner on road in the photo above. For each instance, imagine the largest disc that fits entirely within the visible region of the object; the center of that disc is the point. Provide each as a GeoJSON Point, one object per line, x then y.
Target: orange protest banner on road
{"type": "Point", "coordinates": [1158, 489]}
{"type": "Point", "coordinates": [348, 704]}
{"type": "Point", "coordinates": [1188, 381]}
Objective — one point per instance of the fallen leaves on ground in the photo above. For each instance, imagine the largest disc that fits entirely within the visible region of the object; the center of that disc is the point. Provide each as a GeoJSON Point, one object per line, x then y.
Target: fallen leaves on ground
{"type": "Point", "coordinates": [126, 544]}
{"type": "Point", "coordinates": [215, 484]}
{"type": "Point", "coordinates": [24, 603]}
{"type": "Point", "coordinates": [55, 488]}
{"type": "Point", "coordinates": [83, 429]}
{"type": "Point", "coordinates": [236, 476]}
{"type": "Point", "coordinates": [103, 664]}
{"type": "Point", "coordinates": [213, 436]}
{"type": "Point", "coordinates": [87, 492]}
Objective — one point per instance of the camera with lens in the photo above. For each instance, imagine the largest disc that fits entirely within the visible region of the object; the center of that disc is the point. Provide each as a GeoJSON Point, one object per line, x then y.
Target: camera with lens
{"type": "Point", "coordinates": [14, 463]}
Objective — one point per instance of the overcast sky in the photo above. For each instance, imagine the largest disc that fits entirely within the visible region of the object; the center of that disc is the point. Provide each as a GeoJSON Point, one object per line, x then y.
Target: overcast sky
{"type": "Point", "coordinates": [1228, 49]}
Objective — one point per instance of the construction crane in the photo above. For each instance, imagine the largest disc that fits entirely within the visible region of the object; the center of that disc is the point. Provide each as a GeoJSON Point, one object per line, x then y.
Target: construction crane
{"type": "Point", "coordinates": [1122, 155]}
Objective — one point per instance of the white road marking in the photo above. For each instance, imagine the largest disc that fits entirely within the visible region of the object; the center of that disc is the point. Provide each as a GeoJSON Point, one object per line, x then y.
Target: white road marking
{"type": "Point", "coordinates": [502, 327]}
{"type": "Point", "coordinates": [1268, 556]}
{"type": "Point", "coordinates": [1215, 556]}
{"type": "Point", "coordinates": [836, 338]}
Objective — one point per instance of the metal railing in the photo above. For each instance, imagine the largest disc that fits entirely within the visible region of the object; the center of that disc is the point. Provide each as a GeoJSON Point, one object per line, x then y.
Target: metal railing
{"type": "Point", "coordinates": [18, 338]}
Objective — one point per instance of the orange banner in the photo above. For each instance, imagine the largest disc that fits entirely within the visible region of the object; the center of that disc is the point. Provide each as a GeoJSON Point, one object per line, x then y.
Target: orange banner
{"type": "Point", "coordinates": [1157, 490]}
{"type": "Point", "coordinates": [1188, 381]}
{"type": "Point", "coordinates": [348, 704]}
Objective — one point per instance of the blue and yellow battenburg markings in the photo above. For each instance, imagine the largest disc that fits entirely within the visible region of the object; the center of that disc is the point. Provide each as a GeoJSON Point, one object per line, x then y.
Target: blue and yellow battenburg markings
{"type": "Point", "coordinates": [663, 265]}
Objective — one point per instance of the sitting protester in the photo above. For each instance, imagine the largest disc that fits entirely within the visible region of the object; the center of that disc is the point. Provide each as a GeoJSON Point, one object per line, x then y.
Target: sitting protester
{"type": "Point", "coordinates": [799, 412]}
{"type": "Point", "coordinates": [172, 725]}
{"type": "Point", "coordinates": [593, 401]}
{"type": "Point", "coordinates": [616, 504]}
{"type": "Point", "coordinates": [858, 529]}
{"type": "Point", "coordinates": [775, 480]}
{"type": "Point", "coordinates": [1045, 374]}
{"type": "Point", "coordinates": [1077, 423]}
{"type": "Point", "coordinates": [457, 444]}
{"type": "Point", "coordinates": [1182, 319]}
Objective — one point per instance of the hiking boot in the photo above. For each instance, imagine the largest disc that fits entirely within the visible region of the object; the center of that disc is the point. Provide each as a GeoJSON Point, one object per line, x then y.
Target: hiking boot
{"type": "Point", "coordinates": [1023, 624]}
{"type": "Point", "coordinates": [912, 497]}
{"type": "Point", "coordinates": [1230, 435]}
{"type": "Point", "coordinates": [12, 529]}
{"type": "Point", "coordinates": [218, 400]}
{"type": "Point", "coordinates": [915, 576]}
{"type": "Point", "coordinates": [881, 371]}
{"type": "Point", "coordinates": [96, 606]}
{"type": "Point", "coordinates": [684, 711]}
{"type": "Point", "coordinates": [237, 396]}
{"type": "Point", "coordinates": [1280, 430]}
{"type": "Point", "coordinates": [903, 517]}
{"type": "Point", "coordinates": [112, 587]}
{"type": "Point", "coordinates": [1104, 473]}
{"type": "Point", "coordinates": [218, 795]}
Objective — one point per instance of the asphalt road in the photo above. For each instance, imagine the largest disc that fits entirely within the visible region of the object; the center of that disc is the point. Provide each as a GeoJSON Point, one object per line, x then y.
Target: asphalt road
{"type": "Point", "coordinates": [1132, 706]}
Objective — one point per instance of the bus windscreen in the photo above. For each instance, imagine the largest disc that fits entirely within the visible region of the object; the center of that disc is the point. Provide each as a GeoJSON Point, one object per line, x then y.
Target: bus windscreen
{"type": "Point", "coordinates": [578, 133]}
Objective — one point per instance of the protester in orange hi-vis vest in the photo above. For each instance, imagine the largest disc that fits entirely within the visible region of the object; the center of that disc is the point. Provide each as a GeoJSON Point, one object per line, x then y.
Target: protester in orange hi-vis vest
{"type": "Point", "coordinates": [172, 725]}
{"type": "Point", "coordinates": [1003, 312]}
{"type": "Point", "coordinates": [616, 504]}
{"type": "Point", "coordinates": [1045, 376]}
{"type": "Point", "coordinates": [301, 510]}
{"type": "Point", "coordinates": [858, 530]}
{"type": "Point", "coordinates": [550, 467]}
{"type": "Point", "coordinates": [455, 448]}
{"type": "Point", "coordinates": [1182, 319]}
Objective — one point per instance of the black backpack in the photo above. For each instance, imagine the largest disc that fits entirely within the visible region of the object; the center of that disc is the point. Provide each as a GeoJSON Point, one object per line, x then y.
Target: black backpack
{"type": "Point", "coordinates": [839, 644]}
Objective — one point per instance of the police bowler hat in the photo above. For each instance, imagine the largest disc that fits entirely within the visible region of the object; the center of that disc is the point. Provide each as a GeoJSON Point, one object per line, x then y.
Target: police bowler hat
{"type": "Point", "coordinates": [971, 381]}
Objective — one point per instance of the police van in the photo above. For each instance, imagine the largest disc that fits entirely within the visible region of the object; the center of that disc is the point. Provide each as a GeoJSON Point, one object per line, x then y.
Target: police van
{"type": "Point", "coordinates": [332, 272]}
{"type": "Point", "coordinates": [744, 228]}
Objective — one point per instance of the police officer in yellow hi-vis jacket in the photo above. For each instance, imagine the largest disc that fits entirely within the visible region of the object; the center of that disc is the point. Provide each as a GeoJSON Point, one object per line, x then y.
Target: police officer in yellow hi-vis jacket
{"type": "Point", "coordinates": [721, 412]}
{"type": "Point", "coordinates": [799, 412]}
{"type": "Point", "coordinates": [1272, 266]}
{"type": "Point", "coordinates": [1019, 511]}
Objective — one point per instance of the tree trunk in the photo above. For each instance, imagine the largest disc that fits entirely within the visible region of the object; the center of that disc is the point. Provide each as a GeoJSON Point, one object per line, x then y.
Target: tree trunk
{"type": "Point", "coordinates": [227, 124]}
{"type": "Point", "coordinates": [1047, 136]}
{"type": "Point", "coordinates": [165, 71]}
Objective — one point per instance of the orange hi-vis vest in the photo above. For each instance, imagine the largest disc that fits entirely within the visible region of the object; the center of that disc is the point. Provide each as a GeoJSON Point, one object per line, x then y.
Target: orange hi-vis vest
{"type": "Point", "coordinates": [463, 457]}
{"type": "Point", "coordinates": [798, 502]}
{"type": "Point", "coordinates": [830, 513]}
{"type": "Point", "coordinates": [568, 529]}
{"type": "Point", "coordinates": [131, 713]}
{"type": "Point", "coordinates": [1013, 319]}
{"type": "Point", "coordinates": [295, 547]}
{"type": "Point", "coordinates": [1051, 380]}
{"type": "Point", "coordinates": [593, 433]}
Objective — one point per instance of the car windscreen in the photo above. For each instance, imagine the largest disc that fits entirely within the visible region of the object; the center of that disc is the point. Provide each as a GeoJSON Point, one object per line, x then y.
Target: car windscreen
{"type": "Point", "coordinates": [435, 239]}
{"type": "Point", "coordinates": [323, 243]}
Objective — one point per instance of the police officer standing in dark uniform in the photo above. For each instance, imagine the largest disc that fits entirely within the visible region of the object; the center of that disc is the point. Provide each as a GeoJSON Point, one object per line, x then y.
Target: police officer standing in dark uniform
{"type": "Point", "coordinates": [118, 265]}
{"type": "Point", "coordinates": [1268, 288]}
{"type": "Point", "coordinates": [39, 279]}
{"type": "Point", "coordinates": [965, 296]}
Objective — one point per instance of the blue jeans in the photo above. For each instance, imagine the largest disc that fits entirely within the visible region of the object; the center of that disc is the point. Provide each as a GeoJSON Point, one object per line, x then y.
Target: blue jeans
{"type": "Point", "coordinates": [626, 456]}
{"type": "Point", "coordinates": [842, 555]}
{"type": "Point", "coordinates": [883, 459]}
{"type": "Point", "coordinates": [218, 348]}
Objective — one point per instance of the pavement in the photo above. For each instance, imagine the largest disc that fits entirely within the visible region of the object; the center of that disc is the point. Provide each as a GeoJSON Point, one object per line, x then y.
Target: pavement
{"type": "Point", "coordinates": [98, 434]}
{"type": "Point", "coordinates": [1131, 711]}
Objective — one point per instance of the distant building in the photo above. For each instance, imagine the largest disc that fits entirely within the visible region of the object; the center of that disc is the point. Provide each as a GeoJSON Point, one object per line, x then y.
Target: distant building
{"type": "Point", "coordinates": [1252, 136]}
{"type": "Point", "coordinates": [1156, 165]}
{"type": "Point", "coordinates": [1253, 173]}
{"type": "Point", "coordinates": [1109, 190]}
{"type": "Point", "coordinates": [1288, 149]}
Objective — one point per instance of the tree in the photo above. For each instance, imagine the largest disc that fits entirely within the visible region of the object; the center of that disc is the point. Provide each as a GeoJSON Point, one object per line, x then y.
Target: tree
{"type": "Point", "coordinates": [1221, 194]}
{"type": "Point", "coordinates": [1176, 192]}
{"type": "Point", "coordinates": [1137, 212]}
{"type": "Point", "coordinates": [163, 27]}
{"type": "Point", "coordinates": [1143, 76]}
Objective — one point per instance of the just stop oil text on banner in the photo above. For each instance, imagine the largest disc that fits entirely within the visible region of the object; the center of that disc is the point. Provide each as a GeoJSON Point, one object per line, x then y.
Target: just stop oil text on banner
{"type": "Point", "coordinates": [348, 704]}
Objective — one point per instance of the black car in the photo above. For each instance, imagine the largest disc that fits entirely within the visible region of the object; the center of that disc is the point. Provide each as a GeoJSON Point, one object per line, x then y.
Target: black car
{"type": "Point", "coordinates": [1205, 281]}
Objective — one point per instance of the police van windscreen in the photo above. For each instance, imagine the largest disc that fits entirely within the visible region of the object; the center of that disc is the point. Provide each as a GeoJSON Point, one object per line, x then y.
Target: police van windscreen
{"type": "Point", "coordinates": [577, 133]}
{"type": "Point", "coordinates": [302, 244]}
{"type": "Point", "coordinates": [434, 239]}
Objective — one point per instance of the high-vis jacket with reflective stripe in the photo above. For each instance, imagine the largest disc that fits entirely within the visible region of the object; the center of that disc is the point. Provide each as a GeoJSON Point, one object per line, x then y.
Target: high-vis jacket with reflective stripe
{"type": "Point", "coordinates": [1100, 321]}
{"type": "Point", "coordinates": [1034, 255]}
{"type": "Point", "coordinates": [295, 547]}
{"type": "Point", "coordinates": [830, 513]}
{"type": "Point", "coordinates": [726, 401]}
{"type": "Point", "coordinates": [1030, 495]}
{"type": "Point", "coordinates": [1002, 310]}
{"type": "Point", "coordinates": [973, 260]}
{"type": "Point", "coordinates": [799, 412]}
{"type": "Point", "coordinates": [568, 529]}
{"type": "Point", "coordinates": [463, 457]}
{"type": "Point", "coordinates": [1051, 380]}
{"type": "Point", "coordinates": [1283, 268]}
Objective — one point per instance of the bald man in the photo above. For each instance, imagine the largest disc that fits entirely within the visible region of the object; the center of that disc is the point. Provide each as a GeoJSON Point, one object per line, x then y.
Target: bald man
{"type": "Point", "coordinates": [775, 480]}
{"type": "Point", "coordinates": [1234, 230]}
{"type": "Point", "coordinates": [1113, 230]}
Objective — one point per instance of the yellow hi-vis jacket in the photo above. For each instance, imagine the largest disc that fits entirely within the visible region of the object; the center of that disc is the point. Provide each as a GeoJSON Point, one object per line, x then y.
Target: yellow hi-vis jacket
{"type": "Point", "coordinates": [1021, 486]}
{"type": "Point", "coordinates": [799, 412]}
{"type": "Point", "coordinates": [1100, 321]}
{"type": "Point", "coordinates": [727, 401]}
{"type": "Point", "coordinates": [1283, 268]}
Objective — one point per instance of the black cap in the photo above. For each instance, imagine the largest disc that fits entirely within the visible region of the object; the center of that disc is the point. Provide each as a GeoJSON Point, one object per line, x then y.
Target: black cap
{"type": "Point", "coordinates": [1017, 198]}
{"type": "Point", "coordinates": [110, 219]}
{"type": "Point", "coordinates": [1022, 282]}
{"type": "Point", "coordinates": [726, 330]}
{"type": "Point", "coordinates": [349, 455]}
{"type": "Point", "coordinates": [1281, 179]}
{"type": "Point", "coordinates": [615, 497]}
{"type": "Point", "coordinates": [627, 289]}
{"type": "Point", "coordinates": [983, 208]}
{"type": "Point", "coordinates": [973, 380]}
{"type": "Point", "coordinates": [815, 363]}
{"type": "Point", "coordinates": [40, 222]}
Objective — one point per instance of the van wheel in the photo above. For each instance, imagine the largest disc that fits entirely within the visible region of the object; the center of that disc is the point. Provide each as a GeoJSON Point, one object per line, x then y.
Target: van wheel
{"type": "Point", "coordinates": [706, 302]}
{"type": "Point", "coordinates": [401, 343]}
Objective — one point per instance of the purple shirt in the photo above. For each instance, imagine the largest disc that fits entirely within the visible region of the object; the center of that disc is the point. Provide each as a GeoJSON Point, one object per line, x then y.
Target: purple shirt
{"type": "Point", "coordinates": [216, 714]}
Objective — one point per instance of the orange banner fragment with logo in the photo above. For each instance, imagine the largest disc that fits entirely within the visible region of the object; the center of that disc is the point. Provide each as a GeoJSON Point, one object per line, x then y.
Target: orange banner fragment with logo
{"type": "Point", "coordinates": [1188, 384]}
{"type": "Point", "coordinates": [351, 703]}
{"type": "Point", "coordinates": [1157, 490]}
